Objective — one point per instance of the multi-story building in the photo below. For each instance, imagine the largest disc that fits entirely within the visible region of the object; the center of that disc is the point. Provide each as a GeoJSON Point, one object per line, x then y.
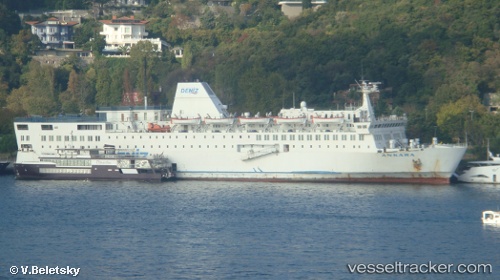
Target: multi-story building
{"type": "Point", "coordinates": [54, 33]}
{"type": "Point", "coordinates": [122, 33]}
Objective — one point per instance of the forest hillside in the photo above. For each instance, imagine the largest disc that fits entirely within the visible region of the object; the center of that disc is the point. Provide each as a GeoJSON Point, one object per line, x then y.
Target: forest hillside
{"type": "Point", "coordinates": [438, 61]}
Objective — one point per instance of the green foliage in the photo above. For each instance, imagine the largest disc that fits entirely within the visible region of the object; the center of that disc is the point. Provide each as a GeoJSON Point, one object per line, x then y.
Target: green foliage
{"type": "Point", "coordinates": [103, 87]}
{"type": "Point", "coordinates": [9, 20]}
{"type": "Point", "coordinates": [8, 142]}
{"type": "Point", "coordinates": [40, 95]}
{"type": "Point", "coordinates": [85, 32]}
{"type": "Point", "coordinates": [208, 19]}
{"type": "Point", "coordinates": [306, 4]}
{"type": "Point", "coordinates": [23, 45]}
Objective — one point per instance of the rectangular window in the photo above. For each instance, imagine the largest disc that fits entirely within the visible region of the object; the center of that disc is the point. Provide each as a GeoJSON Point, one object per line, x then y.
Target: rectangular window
{"type": "Point", "coordinates": [89, 127]}
{"type": "Point", "coordinates": [47, 127]}
{"type": "Point", "coordinates": [58, 138]}
{"type": "Point", "coordinates": [66, 138]}
{"type": "Point", "coordinates": [22, 127]}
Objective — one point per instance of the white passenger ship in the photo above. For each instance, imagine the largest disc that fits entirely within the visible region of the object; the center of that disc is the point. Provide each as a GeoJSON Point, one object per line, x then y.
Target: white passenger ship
{"type": "Point", "coordinates": [204, 141]}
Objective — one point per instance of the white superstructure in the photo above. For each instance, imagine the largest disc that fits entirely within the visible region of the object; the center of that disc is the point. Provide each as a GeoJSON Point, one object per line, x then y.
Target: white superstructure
{"type": "Point", "coordinates": [205, 141]}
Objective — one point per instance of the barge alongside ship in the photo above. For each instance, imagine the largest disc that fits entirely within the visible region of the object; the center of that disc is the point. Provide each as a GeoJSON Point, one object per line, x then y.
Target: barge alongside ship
{"type": "Point", "coordinates": [94, 164]}
{"type": "Point", "coordinates": [206, 142]}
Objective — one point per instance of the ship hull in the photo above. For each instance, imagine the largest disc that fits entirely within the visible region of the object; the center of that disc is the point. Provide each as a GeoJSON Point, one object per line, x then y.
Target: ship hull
{"type": "Point", "coordinates": [363, 178]}
{"type": "Point", "coordinates": [425, 166]}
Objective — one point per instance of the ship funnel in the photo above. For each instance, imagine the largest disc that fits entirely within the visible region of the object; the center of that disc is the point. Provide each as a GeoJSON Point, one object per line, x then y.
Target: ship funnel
{"type": "Point", "coordinates": [194, 99]}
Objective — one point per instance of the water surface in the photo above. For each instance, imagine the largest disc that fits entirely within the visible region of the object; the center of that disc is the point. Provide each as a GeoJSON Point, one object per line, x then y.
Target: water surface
{"type": "Point", "coordinates": [227, 230]}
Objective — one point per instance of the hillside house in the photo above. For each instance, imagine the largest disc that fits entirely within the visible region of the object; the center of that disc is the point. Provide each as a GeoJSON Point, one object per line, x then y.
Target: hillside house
{"type": "Point", "coordinates": [54, 33]}
{"type": "Point", "coordinates": [126, 32]}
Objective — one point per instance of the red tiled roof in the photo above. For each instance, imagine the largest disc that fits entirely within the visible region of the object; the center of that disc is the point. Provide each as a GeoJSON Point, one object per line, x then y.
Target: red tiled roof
{"type": "Point", "coordinates": [68, 23]}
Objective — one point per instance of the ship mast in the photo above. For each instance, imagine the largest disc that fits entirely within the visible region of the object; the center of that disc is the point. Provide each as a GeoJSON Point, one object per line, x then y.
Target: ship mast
{"type": "Point", "coordinates": [366, 89]}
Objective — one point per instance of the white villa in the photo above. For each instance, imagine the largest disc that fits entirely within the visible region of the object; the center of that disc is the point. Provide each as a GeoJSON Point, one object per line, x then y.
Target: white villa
{"type": "Point", "coordinates": [126, 32]}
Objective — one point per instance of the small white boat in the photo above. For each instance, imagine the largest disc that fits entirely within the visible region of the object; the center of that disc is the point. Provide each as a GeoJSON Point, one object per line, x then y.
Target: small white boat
{"type": "Point", "coordinates": [491, 217]}
{"type": "Point", "coordinates": [487, 171]}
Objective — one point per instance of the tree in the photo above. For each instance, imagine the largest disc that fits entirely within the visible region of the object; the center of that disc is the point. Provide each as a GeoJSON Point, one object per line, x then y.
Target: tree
{"type": "Point", "coordinates": [16, 101]}
{"type": "Point", "coordinates": [96, 44]}
{"type": "Point", "coordinates": [9, 20]}
{"type": "Point", "coordinates": [143, 58]}
{"type": "Point", "coordinates": [459, 117]}
{"type": "Point", "coordinates": [69, 99]}
{"type": "Point", "coordinates": [306, 4]}
{"type": "Point", "coordinates": [38, 96]}
{"type": "Point", "coordinates": [84, 32]}
{"type": "Point", "coordinates": [103, 87]}
{"type": "Point", "coordinates": [23, 45]}
{"type": "Point", "coordinates": [208, 19]}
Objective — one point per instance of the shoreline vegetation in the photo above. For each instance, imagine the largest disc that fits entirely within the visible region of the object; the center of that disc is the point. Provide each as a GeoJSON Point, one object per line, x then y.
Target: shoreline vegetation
{"type": "Point", "coordinates": [438, 61]}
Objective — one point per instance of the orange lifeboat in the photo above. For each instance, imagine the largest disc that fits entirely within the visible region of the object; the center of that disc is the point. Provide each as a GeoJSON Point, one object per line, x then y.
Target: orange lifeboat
{"type": "Point", "coordinates": [153, 127]}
